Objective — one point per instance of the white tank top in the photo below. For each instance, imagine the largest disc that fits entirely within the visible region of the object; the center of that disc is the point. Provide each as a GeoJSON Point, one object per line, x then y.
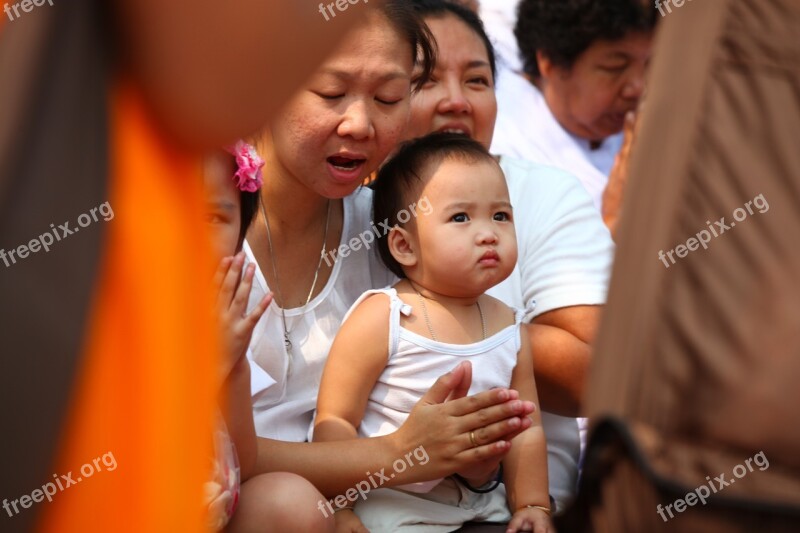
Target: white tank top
{"type": "Point", "coordinates": [416, 362]}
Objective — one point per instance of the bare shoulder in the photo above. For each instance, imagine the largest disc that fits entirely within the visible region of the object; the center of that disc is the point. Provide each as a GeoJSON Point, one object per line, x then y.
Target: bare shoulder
{"type": "Point", "coordinates": [498, 314]}
{"type": "Point", "coordinates": [365, 330]}
{"type": "Point", "coordinates": [372, 312]}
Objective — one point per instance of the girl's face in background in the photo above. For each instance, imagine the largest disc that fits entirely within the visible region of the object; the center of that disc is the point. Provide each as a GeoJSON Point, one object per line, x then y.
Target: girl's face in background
{"type": "Point", "coordinates": [222, 204]}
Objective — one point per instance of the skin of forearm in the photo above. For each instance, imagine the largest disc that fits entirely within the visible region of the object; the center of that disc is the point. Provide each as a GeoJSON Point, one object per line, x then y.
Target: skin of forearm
{"type": "Point", "coordinates": [333, 467]}
{"type": "Point", "coordinates": [332, 429]}
{"type": "Point", "coordinates": [238, 416]}
{"type": "Point", "coordinates": [562, 362]}
{"type": "Point", "coordinates": [525, 470]}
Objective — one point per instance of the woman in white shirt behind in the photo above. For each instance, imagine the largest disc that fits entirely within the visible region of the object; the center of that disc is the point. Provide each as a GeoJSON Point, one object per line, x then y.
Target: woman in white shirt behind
{"type": "Point", "coordinates": [583, 71]}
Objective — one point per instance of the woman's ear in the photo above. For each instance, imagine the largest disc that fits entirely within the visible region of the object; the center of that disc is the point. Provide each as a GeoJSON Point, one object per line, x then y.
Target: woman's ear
{"type": "Point", "coordinates": [544, 64]}
{"type": "Point", "coordinates": [402, 246]}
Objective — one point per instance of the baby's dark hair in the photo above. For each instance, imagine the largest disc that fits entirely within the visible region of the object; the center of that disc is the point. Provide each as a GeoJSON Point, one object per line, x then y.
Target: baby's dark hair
{"type": "Point", "coordinates": [405, 173]}
{"type": "Point", "coordinates": [441, 8]}
{"type": "Point", "coordinates": [562, 30]}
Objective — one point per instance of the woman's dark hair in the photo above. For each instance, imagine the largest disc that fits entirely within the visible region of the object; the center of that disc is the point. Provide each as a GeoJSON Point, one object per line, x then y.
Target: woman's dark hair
{"type": "Point", "coordinates": [563, 29]}
{"type": "Point", "coordinates": [249, 208]}
{"type": "Point", "coordinates": [411, 26]}
{"type": "Point", "coordinates": [399, 179]}
{"type": "Point", "coordinates": [442, 8]}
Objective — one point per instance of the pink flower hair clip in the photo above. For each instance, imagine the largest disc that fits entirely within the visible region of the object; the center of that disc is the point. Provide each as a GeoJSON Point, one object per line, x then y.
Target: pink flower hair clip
{"type": "Point", "coordinates": [248, 174]}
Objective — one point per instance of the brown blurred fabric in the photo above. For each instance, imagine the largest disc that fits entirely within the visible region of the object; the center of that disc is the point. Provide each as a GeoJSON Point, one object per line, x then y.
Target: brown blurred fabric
{"type": "Point", "coordinates": [53, 167]}
{"type": "Point", "coordinates": [697, 366]}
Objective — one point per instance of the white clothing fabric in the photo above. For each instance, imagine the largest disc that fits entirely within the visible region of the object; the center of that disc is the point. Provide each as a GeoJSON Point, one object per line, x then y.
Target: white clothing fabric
{"type": "Point", "coordinates": [446, 508]}
{"type": "Point", "coordinates": [527, 129]}
{"type": "Point", "coordinates": [284, 410]}
{"type": "Point", "coordinates": [564, 249]}
{"type": "Point", "coordinates": [565, 255]}
{"type": "Point", "coordinates": [260, 381]}
{"type": "Point", "coordinates": [416, 362]}
{"type": "Point", "coordinates": [499, 18]}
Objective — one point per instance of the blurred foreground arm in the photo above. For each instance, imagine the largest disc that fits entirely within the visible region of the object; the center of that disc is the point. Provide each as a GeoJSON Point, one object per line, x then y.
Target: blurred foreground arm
{"type": "Point", "coordinates": [216, 71]}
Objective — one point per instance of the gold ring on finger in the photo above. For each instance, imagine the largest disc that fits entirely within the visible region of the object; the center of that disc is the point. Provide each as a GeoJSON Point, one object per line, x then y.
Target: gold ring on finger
{"type": "Point", "coordinates": [472, 439]}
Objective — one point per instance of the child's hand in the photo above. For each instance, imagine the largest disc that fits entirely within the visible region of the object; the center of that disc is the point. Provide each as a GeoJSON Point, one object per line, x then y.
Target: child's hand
{"type": "Point", "coordinates": [348, 522]}
{"type": "Point", "coordinates": [530, 519]}
{"type": "Point", "coordinates": [233, 293]}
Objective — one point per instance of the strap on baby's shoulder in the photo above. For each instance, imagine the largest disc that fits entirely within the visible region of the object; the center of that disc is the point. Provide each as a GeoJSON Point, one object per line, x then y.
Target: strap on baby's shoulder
{"type": "Point", "coordinates": [396, 308]}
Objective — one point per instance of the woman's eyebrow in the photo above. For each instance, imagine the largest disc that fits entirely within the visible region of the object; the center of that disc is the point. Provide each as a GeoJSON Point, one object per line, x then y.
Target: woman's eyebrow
{"type": "Point", "coordinates": [346, 75]}
{"type": "Point", "coordinates": [476, 63]}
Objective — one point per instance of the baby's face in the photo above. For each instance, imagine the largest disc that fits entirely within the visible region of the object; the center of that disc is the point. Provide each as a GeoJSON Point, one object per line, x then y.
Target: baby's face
{"type": "Point", "coordinates": [468, 243]}
{"type": "Point", "coordinates": [222, 205]}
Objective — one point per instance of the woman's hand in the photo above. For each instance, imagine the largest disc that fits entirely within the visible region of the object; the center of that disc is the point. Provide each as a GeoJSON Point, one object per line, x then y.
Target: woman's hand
{"type": "Point", "coordinates": [618, 178]}
{"type": "Point", "coordinates": [233, 291]}
{"type": "Point", "coordinates": [442, 420]}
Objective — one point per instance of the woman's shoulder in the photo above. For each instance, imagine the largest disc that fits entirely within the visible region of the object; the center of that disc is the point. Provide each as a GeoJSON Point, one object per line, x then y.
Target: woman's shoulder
{"type": "Point", "coordinates": [539, 186]}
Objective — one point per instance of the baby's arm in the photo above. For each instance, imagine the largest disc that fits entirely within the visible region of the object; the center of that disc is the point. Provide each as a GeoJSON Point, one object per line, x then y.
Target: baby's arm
{"type": "Point", "coordinates": [525, 466]}
{"type": "Point", "coordinates": [357, 357]}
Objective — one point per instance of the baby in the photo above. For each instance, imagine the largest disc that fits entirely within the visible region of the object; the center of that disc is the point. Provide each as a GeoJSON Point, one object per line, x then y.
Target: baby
{"type": "Point", "coordinates": [395, 342]}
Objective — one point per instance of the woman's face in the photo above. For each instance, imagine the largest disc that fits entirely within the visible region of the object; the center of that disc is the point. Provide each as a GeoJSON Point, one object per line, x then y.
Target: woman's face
{"type": "Point", "coordinates": [590, 100]}
{"type": "Point", "coordinates": [350, 115]}
{"type": "Point", "coordinates": [222, 204]}
{"type": "Point", "coordinates": [460, 96]}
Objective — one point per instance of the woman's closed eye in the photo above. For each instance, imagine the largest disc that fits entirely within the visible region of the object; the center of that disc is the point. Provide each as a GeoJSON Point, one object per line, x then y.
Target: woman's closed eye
{"type": "Point", "coordinates": [329, 96]}
{"type": "Point", "coordinates": [388, 101]}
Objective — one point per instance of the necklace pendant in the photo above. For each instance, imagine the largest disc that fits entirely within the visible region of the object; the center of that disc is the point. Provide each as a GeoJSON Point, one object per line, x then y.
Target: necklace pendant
{"type": "Point", "coordinates": [286, 342]}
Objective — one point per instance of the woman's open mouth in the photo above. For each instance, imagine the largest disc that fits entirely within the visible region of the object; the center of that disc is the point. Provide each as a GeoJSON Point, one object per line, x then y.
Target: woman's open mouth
{"type": "Point", "coordinates": [346, 168]}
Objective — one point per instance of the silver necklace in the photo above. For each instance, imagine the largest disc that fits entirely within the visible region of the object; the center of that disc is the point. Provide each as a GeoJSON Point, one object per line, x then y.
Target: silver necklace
{"type": "Point", "coordinates": [428, 320]}
{"type": "Point", "coordinates": [286, 340]}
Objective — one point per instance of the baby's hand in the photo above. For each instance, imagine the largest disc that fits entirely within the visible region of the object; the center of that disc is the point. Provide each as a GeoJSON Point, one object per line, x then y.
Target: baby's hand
{"type": "Point", "coordinates": [233, 291]}
{"type": "Point", "coordinates": [348, 522]}
{"type": "Point", "coordinates": [530, 519]}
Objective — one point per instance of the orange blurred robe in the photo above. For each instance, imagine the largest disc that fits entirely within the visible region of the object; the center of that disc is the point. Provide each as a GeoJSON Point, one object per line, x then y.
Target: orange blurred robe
{"type": "Point", "coordinates": [147, 384]}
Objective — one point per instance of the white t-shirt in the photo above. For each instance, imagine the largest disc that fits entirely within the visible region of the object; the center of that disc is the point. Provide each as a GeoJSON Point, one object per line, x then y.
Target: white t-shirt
{"type": "Point", "coordinates": [284, 410]}
{"type": "Point", "coordinates": [565, 255]}
{"type": "Point", "coordinates": [499, 18]}
{"type": "Point", "coordinates": [527, 129]}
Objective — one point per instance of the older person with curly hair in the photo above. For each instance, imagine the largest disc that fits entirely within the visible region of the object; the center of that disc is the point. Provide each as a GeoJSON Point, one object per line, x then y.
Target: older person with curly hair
{"type": "Point", "coordinates": [583, 69]}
